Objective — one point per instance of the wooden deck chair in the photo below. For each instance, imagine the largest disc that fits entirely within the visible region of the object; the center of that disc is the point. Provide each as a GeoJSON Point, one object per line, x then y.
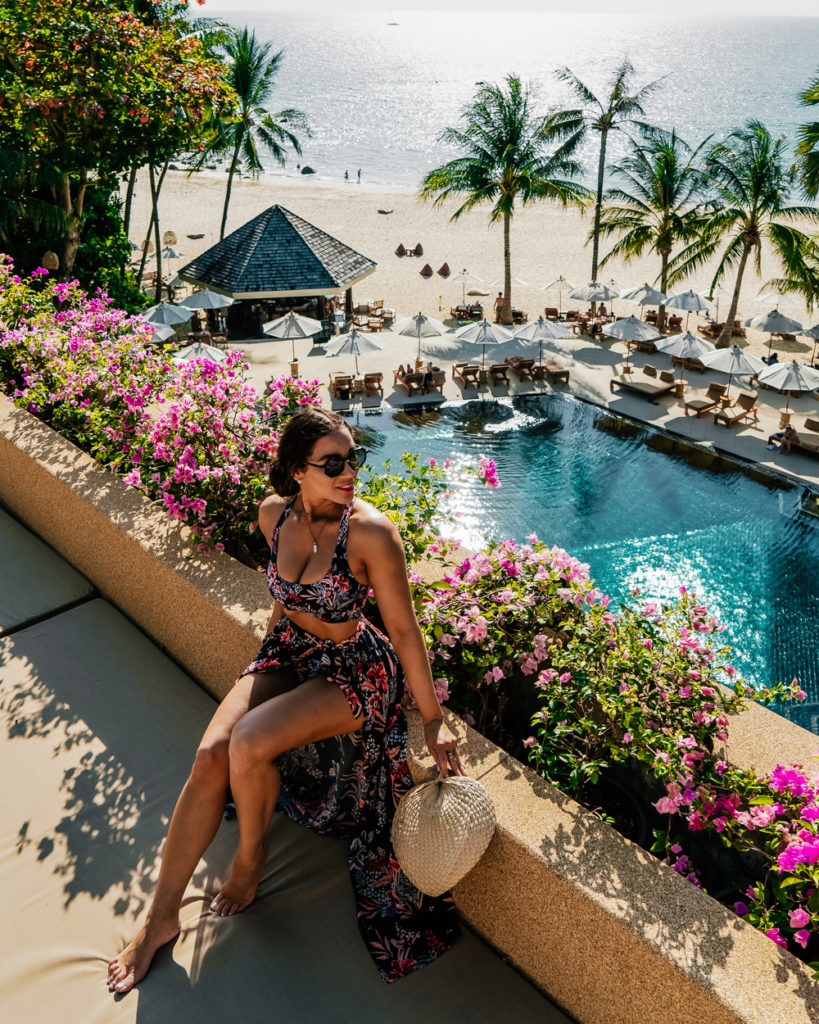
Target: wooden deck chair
{"type": "Point", "coordinates": [743, 408]}
{"type": "Point", "coordinates": [400, 251]}
{"type": "Point", "coordinates": [710, 400]}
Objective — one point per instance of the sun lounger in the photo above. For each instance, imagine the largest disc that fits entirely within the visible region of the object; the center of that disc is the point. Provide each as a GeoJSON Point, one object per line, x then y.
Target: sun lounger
{"type": "Point", "coordinates": [401, 251]}
{"type": "Point", "coordinates": [412, 383]}
{"type": "Point", "coordinates": [674, 325]}
{"type": "Point", "coordinates": [743, 408]}
{"type": "Point", "coordinates": [341, 385]}
{"type": "Point", "coordinates": [554, 371]}
{"type": "Point", "coordinates": [373, 385]}
{"type": "Point", "coordinates": [738, 331]}
{"type": "Point", "coordinates": [524, 368]}
{"type": "Point", "coordinates": [551, 313]}
{"type": "Point", "coordinates": [436, 381]}
{"type": "Point", "coordinates": [499, 374]}
{"type": "Point", "coordinates": [645, 346]}
{"type": "Point", "coordinates": [645, 388]}
{"type": "Point", "coordinates": [807, 437]}
{"type": "Point", "coordinates": [710, 400]}
{"type": "Point", "coordinates": [710, 331]}
{"type": "Point", "coordinates": [689, 364]}
{"type": "Point", "coordinates": [466, 375]}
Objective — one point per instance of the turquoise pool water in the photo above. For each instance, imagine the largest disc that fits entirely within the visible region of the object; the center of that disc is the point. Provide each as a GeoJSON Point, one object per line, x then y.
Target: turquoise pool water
{"type": "Point", "coordinates": [640, 516]}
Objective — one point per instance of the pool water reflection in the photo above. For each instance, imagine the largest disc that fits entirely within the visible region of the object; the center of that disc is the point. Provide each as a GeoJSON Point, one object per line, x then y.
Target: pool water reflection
{"type": "Point", "coordinates": [641, 513]}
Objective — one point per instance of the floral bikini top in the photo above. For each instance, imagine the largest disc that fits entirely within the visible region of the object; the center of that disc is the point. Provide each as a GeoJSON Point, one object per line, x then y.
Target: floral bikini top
{"type": "Point", "coordinates": [336, 597]}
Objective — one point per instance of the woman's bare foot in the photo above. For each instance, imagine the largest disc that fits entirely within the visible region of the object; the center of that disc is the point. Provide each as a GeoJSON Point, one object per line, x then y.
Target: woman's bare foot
{"type": "Point", "coordinates": [131, 965]}
{"type": "Point", "coordinates": [239, 890]}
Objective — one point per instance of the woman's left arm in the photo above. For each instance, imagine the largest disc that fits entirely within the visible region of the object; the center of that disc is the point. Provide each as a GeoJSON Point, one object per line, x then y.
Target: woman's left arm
{"type": "Point", "coordinates": [387, 573]}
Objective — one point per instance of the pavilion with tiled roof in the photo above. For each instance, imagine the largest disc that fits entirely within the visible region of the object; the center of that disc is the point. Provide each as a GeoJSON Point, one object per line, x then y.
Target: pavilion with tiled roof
{"type": "Point", "coordinates": [279, 255]}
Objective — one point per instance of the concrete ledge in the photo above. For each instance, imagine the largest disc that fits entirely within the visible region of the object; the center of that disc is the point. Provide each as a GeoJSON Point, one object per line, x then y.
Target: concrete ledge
{"type": "Point", "coordinates": [603, 928]}
{"type": "Point", "coordinates": [208, 613]}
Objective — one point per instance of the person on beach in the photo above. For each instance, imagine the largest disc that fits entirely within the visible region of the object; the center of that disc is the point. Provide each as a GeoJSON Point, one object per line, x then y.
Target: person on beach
{"type": "Point", "coordinates": [314, 725]}
{"type": "Point", "coordinates": [359, 175]}
{"type": "Point", "coordinates": [785, 438]}
{"type": "Point", "coordinates": [498, 306]}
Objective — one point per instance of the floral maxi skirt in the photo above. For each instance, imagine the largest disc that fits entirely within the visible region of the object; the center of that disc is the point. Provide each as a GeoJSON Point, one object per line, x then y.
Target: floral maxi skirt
{"type": "Point", "coordinates": [349, 786]}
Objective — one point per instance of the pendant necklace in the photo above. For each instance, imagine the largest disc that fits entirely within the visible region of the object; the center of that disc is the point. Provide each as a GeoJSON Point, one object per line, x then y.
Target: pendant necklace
{"type": "Point", "coordinates": [315, 536]}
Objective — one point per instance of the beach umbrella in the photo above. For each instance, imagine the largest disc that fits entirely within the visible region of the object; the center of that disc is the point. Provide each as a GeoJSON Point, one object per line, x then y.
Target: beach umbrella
{"type": "Point", "coordinates": [594, 291]}
{"type": "Point", "coordinates": [198, 350]}
{"type": "Point", "coordinates": [541, 330]}
{"type": "Point", "coordinates": [166, 313]}
{"type": "Point", "coordinates": [353, 343]}
{"type": "Point", "coordinates": [813, 333]}
{"type": "Point", "coordinates": [206, 299]}
{"type": "Point", "coordinates": [465, 278]}
{"type": "Point", "coordinates": [292, 326]}
{"type": "Point", "coordinates": [484, 333]}
{"type": "Point", "coordinates": [774, 323]}
{"type": "Point", "coordinates": [731, 361]}
{"type": "Point", "coordinates": [690, 301]}
{"type": "Point", "coordinates": [774, 297]}
{"type": "Point", "coordinates": [160, 332]}
{"type": "Point", "coordinates": [790, 377]}
{"type": "Point", "coordinates": [644, 295]}
{"type": "Point", "coordinates": [420, 326]}
{"type": "Point", "coordinates": [686, 346]}
{"type": "Point", "coordinates": [172, 254]}
{"type": "Point", "coordinates": [631, 329]}
{"type": "Point", "coordinates": [562, 285]}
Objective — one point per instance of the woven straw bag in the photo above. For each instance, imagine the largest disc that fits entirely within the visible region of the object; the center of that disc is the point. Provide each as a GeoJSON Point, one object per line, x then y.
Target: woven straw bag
{"type": "Point", "coordinates": [440, 830]}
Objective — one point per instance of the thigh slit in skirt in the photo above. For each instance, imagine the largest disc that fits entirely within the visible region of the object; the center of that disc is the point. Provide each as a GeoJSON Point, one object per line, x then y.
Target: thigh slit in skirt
{"type": "Point", "coordinates": [349, 786]}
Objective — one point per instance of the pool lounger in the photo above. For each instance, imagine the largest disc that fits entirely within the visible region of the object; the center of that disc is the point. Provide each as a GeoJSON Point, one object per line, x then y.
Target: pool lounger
{"type": "Point", "coordinates": [643, 388]}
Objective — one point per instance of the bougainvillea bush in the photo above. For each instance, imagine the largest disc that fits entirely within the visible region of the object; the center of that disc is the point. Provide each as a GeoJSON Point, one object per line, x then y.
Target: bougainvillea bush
{"type": "Point", "coordinates": [647, 685]}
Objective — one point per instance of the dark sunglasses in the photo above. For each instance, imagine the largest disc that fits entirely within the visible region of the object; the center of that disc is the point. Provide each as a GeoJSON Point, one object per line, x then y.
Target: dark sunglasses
{"type": "Point", "coordinates": [334, 464]}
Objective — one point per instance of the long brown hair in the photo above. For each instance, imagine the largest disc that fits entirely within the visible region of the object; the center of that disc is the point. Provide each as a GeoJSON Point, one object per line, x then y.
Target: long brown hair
{"type": "Point", "coordinates": [300, 434]}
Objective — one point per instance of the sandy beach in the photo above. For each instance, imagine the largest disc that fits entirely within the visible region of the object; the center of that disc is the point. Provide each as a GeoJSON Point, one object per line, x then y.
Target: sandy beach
{"type": "Point", "coordinates": [547, 241]}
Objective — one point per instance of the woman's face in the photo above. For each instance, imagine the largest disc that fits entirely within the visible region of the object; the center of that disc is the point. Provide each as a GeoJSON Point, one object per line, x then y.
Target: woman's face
{"type": "Point", "coordinates": [315, 482]}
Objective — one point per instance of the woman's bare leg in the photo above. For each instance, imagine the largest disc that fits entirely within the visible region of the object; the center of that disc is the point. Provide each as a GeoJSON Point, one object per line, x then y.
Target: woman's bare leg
{"type": "Point", "coordinates": [194, 823]}
{"type": "Point", "coordinates": [313, 711]}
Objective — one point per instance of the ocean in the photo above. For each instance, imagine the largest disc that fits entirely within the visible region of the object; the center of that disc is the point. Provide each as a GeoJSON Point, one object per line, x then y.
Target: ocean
{"type": "Point", "coordinates": [378, 87]}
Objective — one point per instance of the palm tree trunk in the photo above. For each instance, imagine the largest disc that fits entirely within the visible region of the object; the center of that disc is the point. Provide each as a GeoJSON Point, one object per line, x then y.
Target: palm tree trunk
{"type": "Point", "coordinates": [506, 309]}
{"type": "Point", "coordinates": [129, 195]}
{"type": "Point", "coordinates": [601, 170]}
{"type": "Point", "coordinates": [663, 281]}
{"type": "Point", "coordinates": [233, 162]}
{"type": "Point", "coordinates": [724, 340]}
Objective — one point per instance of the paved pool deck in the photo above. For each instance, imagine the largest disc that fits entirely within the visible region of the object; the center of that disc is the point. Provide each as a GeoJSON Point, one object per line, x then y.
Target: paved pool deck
{"type": "Point", "coordinates": [97, 730]}
{"type": "Point", "coordinates": [591, 364]}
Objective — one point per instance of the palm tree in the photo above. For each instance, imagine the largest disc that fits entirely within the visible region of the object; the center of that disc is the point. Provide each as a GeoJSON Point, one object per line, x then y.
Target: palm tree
{"type": "Point", "coordinates": [808, 148]}
{"type": "Point", "coordinates": [752, 181]}
{"type": "Point", "coordinates": [619, 109]}
{"type": "Point", "coordinates": [505, 157]}
{"type": "Point", "coordinates": [252, 70]}
{"type": "Point", "coordinates": [656, 205]}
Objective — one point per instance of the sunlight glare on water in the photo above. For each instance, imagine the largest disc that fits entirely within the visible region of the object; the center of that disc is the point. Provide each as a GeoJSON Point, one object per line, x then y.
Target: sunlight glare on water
{"type": "Point", "coordinates": [378, 94]}
{"type": "Point", "coordinates": [614, 495]}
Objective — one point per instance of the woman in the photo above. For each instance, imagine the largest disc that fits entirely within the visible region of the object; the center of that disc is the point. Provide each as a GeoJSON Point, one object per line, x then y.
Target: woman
{"type": "Point", "coordinates": [314, 723]}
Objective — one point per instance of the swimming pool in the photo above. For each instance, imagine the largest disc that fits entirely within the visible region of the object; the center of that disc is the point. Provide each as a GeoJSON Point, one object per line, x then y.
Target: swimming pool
{"type": "Point", "coordinates": [642, 510]}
